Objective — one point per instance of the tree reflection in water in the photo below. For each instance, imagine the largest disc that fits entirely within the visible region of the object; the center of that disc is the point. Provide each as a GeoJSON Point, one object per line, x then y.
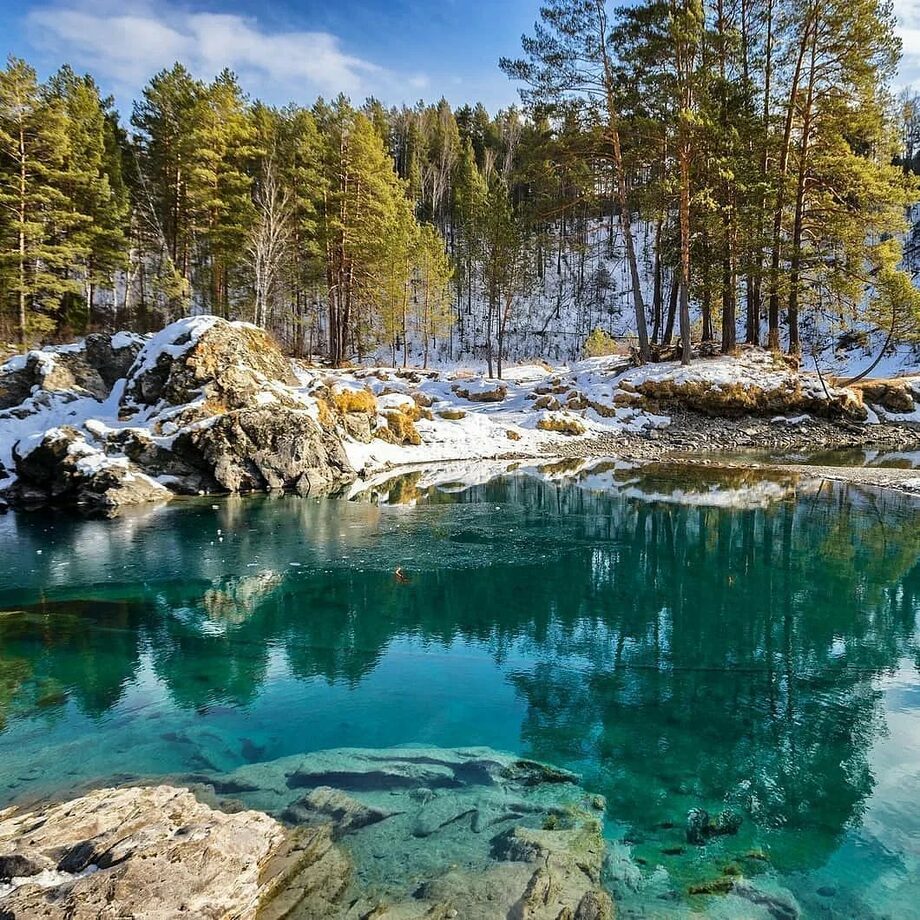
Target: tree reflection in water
{"type": "Point", "coordinates": [679, 643]}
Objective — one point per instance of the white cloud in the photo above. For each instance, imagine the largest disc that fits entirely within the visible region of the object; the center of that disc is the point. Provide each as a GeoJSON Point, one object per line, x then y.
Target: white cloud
{"type": "Point", "coordinates": [124, 44]}
{"type": "Point", "coordinates": [908, 13]}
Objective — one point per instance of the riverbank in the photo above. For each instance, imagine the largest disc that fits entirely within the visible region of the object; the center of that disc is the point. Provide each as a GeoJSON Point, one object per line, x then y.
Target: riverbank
{"type": "Point", "coordinates": [211, 407]}
{"type": "Point", "coordinates": [832, 451]}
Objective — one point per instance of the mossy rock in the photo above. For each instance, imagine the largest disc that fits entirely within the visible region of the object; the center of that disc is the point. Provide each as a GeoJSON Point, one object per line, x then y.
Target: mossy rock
{"type": "Point", "coordinates": [561, 424]}
{"type": "Point", "coordinates": [402, 427]}
{"type": "Point", "coordinates": [497, 394]}
{"type": "Point", "coordinates": [362, 401]}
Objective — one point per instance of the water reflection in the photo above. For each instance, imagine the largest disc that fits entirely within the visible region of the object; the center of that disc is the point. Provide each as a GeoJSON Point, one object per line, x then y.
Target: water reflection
{"type": "Point", "coordinates": [680, 643]}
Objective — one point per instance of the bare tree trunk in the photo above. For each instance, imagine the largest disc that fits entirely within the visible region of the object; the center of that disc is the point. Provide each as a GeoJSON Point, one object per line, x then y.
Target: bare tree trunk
{"type": "Point", "coordinates": [672, 310]}
{"type": "Point", "coordinates": [795, 262]}
{"type": "Point", "coordinates": [22, 235]}
{"type": "Point", "coordinates": [613, 133]}
{"type": "Point", "coordinates": [658, 293]}
{"type": "Point", "coordinates": [773, 310]}
{"type": "Point", "coordinates": [685, 254]}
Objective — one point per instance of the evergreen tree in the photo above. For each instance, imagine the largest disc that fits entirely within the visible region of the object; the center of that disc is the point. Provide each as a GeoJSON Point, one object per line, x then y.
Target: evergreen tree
{"type": "Point", "coordinates": [93, 184]}
{"type": "Point", "coordinates": [432, 297]}
{"type": "Point", "coordinates": [223, 142]}
{"type": "Point", "coordinates": [37, 214]}
{"type": "Point", "coordinates": [569, 58]}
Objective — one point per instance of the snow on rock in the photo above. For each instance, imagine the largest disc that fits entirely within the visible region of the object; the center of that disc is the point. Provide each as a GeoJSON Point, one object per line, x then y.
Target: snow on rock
{"type": "Point", "coordinates": [206, 405]}
{"type": "Point", "coordinates": [173, 342]}
{"type": "Point", "coordinates": [754, 382]}
{"type": "Point", "coordinates": [203, 405]}
{"type": "Point", "coordinates": [397, 401]}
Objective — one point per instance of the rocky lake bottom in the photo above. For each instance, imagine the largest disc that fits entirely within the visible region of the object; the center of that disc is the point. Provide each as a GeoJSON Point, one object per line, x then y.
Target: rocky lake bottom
{"type": "Point", "coordinates": [719, 668]}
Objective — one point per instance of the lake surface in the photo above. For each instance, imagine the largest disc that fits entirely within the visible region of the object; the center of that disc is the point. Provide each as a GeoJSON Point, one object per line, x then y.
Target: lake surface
{"type": "Point", "coordinates": [677, 641]}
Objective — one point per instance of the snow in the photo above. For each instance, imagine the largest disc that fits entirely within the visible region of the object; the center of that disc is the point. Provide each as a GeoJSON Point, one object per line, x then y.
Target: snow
{"type": "Point", "coordinates": [483, 431]}
{"type": "Point", "coordinates": [392, 401]}
{"type": "Point", "coordinates": [787, 420]}
{"type": "Point", "coordinates": [901, 416]}
{"type": "Point", "coordinates": [185, 331]}
{"type": "Point", "coordinates": [594, 395]}
{"type": "Point", "coordinates": [751, 369]}
{"type": "Point", "coordinates": [43, 358]}
{"type": "Point", "coordinates": [125, 340]}
{"type": "Point", "coordinates": [14, 364]}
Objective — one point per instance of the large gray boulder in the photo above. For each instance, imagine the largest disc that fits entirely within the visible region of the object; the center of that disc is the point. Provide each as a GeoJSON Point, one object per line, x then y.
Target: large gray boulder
{"type": "Point", "coordinates": [263, 449]}
{"type": "Point", "coordinates": [63, 468]}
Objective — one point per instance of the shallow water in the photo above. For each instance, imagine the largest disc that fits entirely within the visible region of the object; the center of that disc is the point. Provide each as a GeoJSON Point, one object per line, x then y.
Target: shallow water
{"type": "Point", "coordinates": [849, 457]}
{"type": "Point", "coordinates": [724, 642]}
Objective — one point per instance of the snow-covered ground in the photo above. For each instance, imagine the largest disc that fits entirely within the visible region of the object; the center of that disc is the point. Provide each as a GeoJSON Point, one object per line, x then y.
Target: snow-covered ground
{"type": "Point", "coordinates": [463, 427]}
{"type": "Point", "coordinates": [459, 415]}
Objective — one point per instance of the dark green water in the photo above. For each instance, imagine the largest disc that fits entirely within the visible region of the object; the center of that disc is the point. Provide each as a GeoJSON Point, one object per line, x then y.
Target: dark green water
{"type": "Point", "coordinates": [758, 651]}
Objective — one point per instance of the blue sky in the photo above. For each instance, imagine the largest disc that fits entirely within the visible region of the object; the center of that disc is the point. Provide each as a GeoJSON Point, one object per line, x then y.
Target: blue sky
{"type": "Point", "coordinates": [399, 50]}
{"type": "Point", "coordinates": [283, 50]}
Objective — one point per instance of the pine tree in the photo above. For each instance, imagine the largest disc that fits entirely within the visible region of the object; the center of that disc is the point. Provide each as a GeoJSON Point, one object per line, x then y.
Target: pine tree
{"type": "Point", "coordinates": [93, 183]}
{"type": "Point", "coordinates": [220, 201]}
{"type": "Point", "coordinates": [36, 212]}
{"type": "Point", "coordinates": [506, 266]}
{"type": "Point", "coordinates": [164, 154]}
{"type": "Point", "coordinates": [469, 190]}
{"type": "Point", "coordinates": [433, 284]}
{"type": "Point", "coordinates": [570, 58]}
{"type": "Point", "coordinates": [364, 220]}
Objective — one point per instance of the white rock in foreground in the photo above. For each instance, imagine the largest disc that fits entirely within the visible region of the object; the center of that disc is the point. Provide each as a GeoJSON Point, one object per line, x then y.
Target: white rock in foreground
{"type": "Point", "coordinates": [152, 852]}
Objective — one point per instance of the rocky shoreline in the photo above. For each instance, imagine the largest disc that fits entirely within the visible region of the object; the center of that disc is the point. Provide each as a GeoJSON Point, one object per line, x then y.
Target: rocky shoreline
{"type": "Point", "coordinates": [403, 834]}
{"type": "Point", "coordinates": [750, 443]}
{"type": "Point", "coordinates": [208, 406]}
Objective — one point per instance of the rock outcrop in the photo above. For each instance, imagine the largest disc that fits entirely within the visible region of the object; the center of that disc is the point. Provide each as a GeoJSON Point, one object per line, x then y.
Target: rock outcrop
{"type": "Point", "coordinates": [257, 449]}
{"type": "Point", "coordinates": [733, 399]}
{"type": "Point", "coordinates": [894, 396]}
{"type": "Point", "coordinates": [404, 834]}
{"type": "Point", "coordinates": [224, 365]}
{"type": "Point", "coordinates": [203, 406]}
{"type": "Point", "coordinates": [65, 469]}
{"type": "Point", "coordinates": [151, 852]}
{"type": "Point", "coordinates": [88, 368]}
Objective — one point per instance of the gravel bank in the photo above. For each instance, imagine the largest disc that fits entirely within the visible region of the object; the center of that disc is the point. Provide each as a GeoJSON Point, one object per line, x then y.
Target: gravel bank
{"type": "Point", "coordinates": [693, 438]}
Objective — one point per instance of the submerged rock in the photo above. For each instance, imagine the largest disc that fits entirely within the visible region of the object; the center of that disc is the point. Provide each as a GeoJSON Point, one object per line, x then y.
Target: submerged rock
{"type": "Point", "coordinates": [700, 826]}
{"type": "Point", "coordinates": [160, 852]}
{"type": "Point", "coordinates": [433, 832]}
{"type": "Point", "coordinates": [326, 804]}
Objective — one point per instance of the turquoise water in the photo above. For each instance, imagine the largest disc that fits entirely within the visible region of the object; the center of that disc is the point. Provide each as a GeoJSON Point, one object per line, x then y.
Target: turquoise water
{"type": "Point", "coordinates": [713, 643]}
